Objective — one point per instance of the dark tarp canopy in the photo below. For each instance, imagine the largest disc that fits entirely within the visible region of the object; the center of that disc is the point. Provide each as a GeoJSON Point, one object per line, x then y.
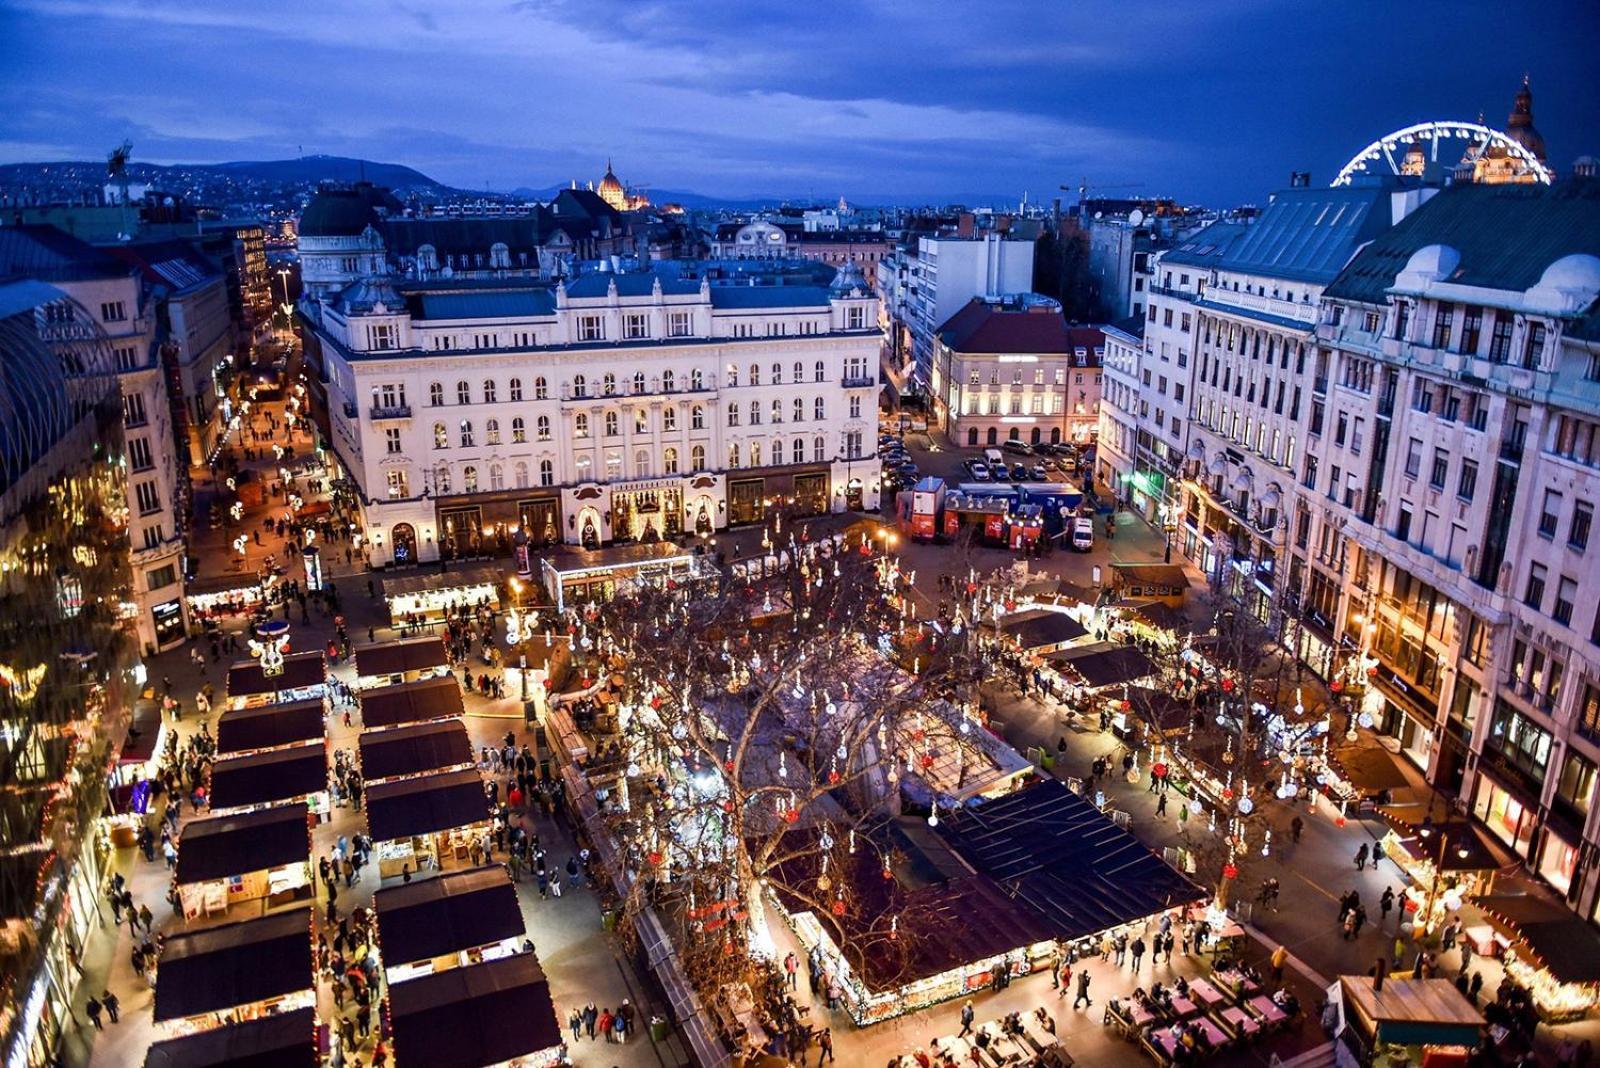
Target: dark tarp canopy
{"type": "Point", "coordinates": [299, 671]}
{"type": "Point", "coordinates": [1370, 768]}
{"type": "Point", "coordinates": [457, 911]}
{"type": "Point", "coordinates": [1160, 710]}
{"type": "Point", "coordinates": [420, 747]}
{"type": "Point", "coordinates": [220, 846]}
{"type": "Point", "coordinates": [425, 805]}
{"type": "Point", "coordinates": [270, 726]}
{"type": "Point", "coordinates": [394, 658]}
{"type": "Point", "coordinates": [1105, 663]}
{"type": "Point", "coordinates": [481, 1014]}
{"type": "Point", "coordinates": [233, 965]}
{"type": "Point", "coordinates": [411, 702]}
{"type": "Point", "coordinates": [282, 1040]}
{"type": "Point", "coordinates": [275, 775]}
{"type": "Point", "coordinates": [1039, 627]}
{"type": "Point", "coordinates": [1564, 943]}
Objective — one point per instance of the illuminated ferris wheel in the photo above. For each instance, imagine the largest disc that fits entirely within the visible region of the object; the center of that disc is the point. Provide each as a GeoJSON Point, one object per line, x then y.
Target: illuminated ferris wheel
{"type": "Point", "coordinates": [1416, 150]}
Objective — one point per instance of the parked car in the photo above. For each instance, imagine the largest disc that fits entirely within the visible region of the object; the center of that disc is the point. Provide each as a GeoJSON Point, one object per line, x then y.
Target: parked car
{"type": "Point", "coordinates": [1039, 473]}
{"type": "Point", "coordinates": [1083, 533]}
{"type": "Point", "coordinates": [977, 469]}
{"type": "Point", "coordinates": [1019, 473]}
{"type": "Point", "coordinates": [1017, 445]}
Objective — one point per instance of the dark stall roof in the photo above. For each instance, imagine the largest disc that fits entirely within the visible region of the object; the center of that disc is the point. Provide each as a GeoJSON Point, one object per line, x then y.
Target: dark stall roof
{"type": "Point", "coordinates": [411, 702]}
{"type": "Point", "coordinates": [1040, 626]}
{"type": "Point", "coordinates": [220, 846]}
{"type": "Point", "coordinates": [270, 726]}
{"type": "Point", "coordinates": [283, 1040]}
{"type": "Point", "coordinates": [1568, 947]}
{"type": "Point", "coordinates": [392, 658]}
{"type": "Point", "coordinates": [1105, 663]}
{"type": "Point", "coordinates": [141, 743]}
{"type": "Point", "coordinates": [482, 1014]}
{"type": "Point", "coordinates": [299, 670]}
{"type": "Point", "coordinates": [420, 747]}
{"type": "Point", "coordinates": [448, 914]}
{"type": "Point", "coordinates": [1370, 767]}
{"type": "Point", "coordinates": [1055, 852]}
{"type": "Point", "coordinates": [1159, 709]}
{"type": "Point", "coordinates": [430, 581]}
{"type": "Point", "coordinates": [235, 964]}
{"type": "Point", "coordinates": [425, 805]}
{"type": "Point", "coordinates": [275, 775]}
{"type": "Point", "coordinates": [1152, 574]}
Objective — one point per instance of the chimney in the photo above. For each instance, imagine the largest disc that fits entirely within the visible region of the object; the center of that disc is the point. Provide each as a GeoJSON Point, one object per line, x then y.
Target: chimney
{"type": "Point", "coordinates": [1299, 179]}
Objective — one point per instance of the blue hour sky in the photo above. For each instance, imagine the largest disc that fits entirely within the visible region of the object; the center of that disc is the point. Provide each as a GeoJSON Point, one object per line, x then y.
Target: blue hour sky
{"type": "Point", "coordinates": [1213, 101]}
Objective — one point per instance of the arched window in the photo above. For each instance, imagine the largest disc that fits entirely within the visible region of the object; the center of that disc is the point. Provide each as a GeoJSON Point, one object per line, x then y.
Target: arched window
{"type": "Point", "coordinates": [441, 478]}
{"type": "Point", "coordinates": [641, 421]}
{"type": "Point", "coordinates": [441, 436]}
{"type": "Point", "coordinates": [819, 451]}
{"type": "Point", "coordinates": [611, 424]}
{"type": "Point", "coordinates": [799, 372]}
{"type": "Point", "coordinates": [580, 386]}
{"type": "Point", "coordinates": [638, 381]}
{"type": "Point", "coordinates": [819, 409]}
{"type": "Point", "coordinates": [799, 410]}
{"type": "Point", "coordinates": [755, 413]}
{"type": "Point", "coordinates": [777, 451]}
{"type": "Point", "coordinates": [521, 474]}
{"type": "Point", "coordinates": [733, 455]}
{"type": "Point", "coordinates": [435, 394]}
{"type": "Point", "coordinates": [541, 389]}
{"type": "Point", "coordinates": [821, 373]}
{"type": "Point", "coordinates": [641, 463]}
{"type": "Point", "coordinates": [547, 473]}
{"type": "Point", "coordinates": [777, 410]}
{"type": "Point", "coordinates": [497, 477]}
{"type": "Point", "coordinates": [755, 454]}
{"type": "Point", "coordinates": [697, 458]}
{"type": "Point", "coordinates": [491, 431]}
{"type": "Point", "coordinates": [519, 430]}
{"type": "Point", "coordinates": [777, 374]}
{"type": "Point", "coordinates": [463, 393]}
{"type": "Point", "coordinates": [669, 381]}
{"type": "Point", "coordinates": [669, 461]}
{"type": "Point", "coordinates": [697, 418]}
{"type": "Point", "coordinates": [733, 375]}
{"type": "Point", "coordinates": [499, 256]}
{"type": "Point", "coordinates": [515, 389]}
{"type": "Point", "coordinates": [427, 258]}
{"type": "Point", "coordinates": [489, 390]}
{"type": "Point", "coordinates": [697, 379]}
{"type": "Point", "coordinates": [755, 374]}
{"type": "Point", "coordinates": [541, 427]}
{"type": "Point", "coordinates": [580, 425]}
{"type": "Point", "coordinates": [733, 414]}
{"type": "Point", "coordinates": [466, 433]}
{"type": "Point", "coordinates": [609, 384]}
{"type": "Point", "coordinates": [469, 479]}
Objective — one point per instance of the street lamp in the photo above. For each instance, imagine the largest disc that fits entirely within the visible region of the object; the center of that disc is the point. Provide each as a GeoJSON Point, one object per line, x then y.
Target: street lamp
{"type": "Point", "coordinates": [1426, 832]}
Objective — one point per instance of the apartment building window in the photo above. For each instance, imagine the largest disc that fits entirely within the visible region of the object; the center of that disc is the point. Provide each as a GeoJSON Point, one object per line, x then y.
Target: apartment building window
{"type": "Point", "coordinates": [1576, 439]}
{"type": "Point", "coordinates": [153, 535]}
{"type": "Point", "coordinates": [148, 496]}
{"type": "Point", "coordinates": [1341, 427]}
{"type": "Point", "coordinates": [113, 311]}
{"type": "Point", "coordinates": [733, 414]}
{"type": "Point", "coordinates": [133, 413]}
{"type": "Point", "coordinates": [755, 413]}
{"type": "Point", "coordinates": [1413, 458]}
{"type": "Point", "coordinates": [1521, 741]}
{"type": "Point", "coordinates": [1576, 784]}
{"type": "Point", "coordinates": [1467, 485]}
{"type": "Point", "coordinates": [1589, 712]}
{"type": "Point", "coordinates": [856, 319]}
{"type": "Point", "coordinates": [1318, 411]}
{"type": "Point", "coordinates": [1402, 319]}
{"type": "Point", "coordinates": [396, 480]}
{"type": "Point", "coordinates": [591, 328]}
{"type": "Point", "coordinates": [1549, 514]}
{"type": "Point", "coordinates": [490, 391]}
{"type": "Point", "coordinates": [463, 393]}
{"type": "Point", "coordinates": [491, 431]}
{"type": "Point", "coordinates": [1471, 328]}
{"type": "Point", "coordinates": [1422, 396]}
{"type": "Point", "coordinates": [855, 406]}
{"type": "Point", "coordinates": [697, 418]}
{"type": "Point", "coordinates": [1500, 337]}
{"type": "Point", "coordinates": [541, 388]}
{"type": "Point", "coordinates": [1566, 595]}
{"type": "Point", "coordinates": [127, 357]}
{"type": "Point", "coordinates": [678, 324]}
{"type": "Point", "coordinates": [391, 440]}
{"type": "Point", "coordinates": [1370, 322]}
{"type": "Point", "coordinates": [514, 390]}
{"type": "Point", "coordinates": [1582, 521]}
{"type": "Point", "coordinates": [1441, 326]}
{"type": "Point", "coordinates": [441, 436]}
{"type": "Point", "coordinates": [1535, 345]}
{"type": "Point", "coordinates": [611, 425]}
{"type": "Point", "coordinates": [1533, 595]}
{"type": "Point", "coordinates": [1441, 469]}
{"type": "Point", "coordinates": [541, 428]}
{"type": "Point", "coordinates": [519, 431]}
{"type": "Point", "coordinates": [435, 394]}
{"type": "Point", "coordinates": [139, 454]}
{"type": "Point", "coordinates": [635, 325]}
{"type": "Point", "coordinates": [608, 385]}
{"type": "Point", "coordinates": [1184, 322]}
{"type": "Point", "coordinates": [466, 434]}
{"type": "Point", "coordinates": [161, 577]}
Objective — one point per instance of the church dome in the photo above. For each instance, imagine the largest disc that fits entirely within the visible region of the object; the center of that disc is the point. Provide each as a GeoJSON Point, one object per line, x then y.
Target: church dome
{"type": "Point", "coordinates": [1519, 126]}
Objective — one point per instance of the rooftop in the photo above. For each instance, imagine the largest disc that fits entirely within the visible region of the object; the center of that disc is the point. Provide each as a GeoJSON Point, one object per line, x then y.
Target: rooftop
{"type": "Point", "coordinates": [987, 327]}
{"type": "Point", "coordinates": [51, 255]}
{"type": "Point", "coordinates": [1309, 235]}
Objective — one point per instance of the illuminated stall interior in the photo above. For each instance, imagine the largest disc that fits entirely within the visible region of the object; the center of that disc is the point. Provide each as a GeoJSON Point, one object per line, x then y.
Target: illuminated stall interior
{"type": "Point", "coordinates": [1423, 1021]}
{"type": "Point", "coordinates": [234, 972]}
{"type": "Point", "coordinates": [577, 576]}
{"type": "Point", "coordinates": [428, 822]}
{"type": "Point", "coordinates": [430, 597]}
{"type": "Point", "coordinates": [458, 919]}
{"type": "Point", "coordinates": [304, 677]}
{"type": "Point", "coordinates": [225, 861]}
{"type": "Point", "coordinates": [1549, 950]}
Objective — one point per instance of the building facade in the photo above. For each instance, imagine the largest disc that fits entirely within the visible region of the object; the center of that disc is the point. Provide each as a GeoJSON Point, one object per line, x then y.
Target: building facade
{"type": "Point", "coordinates": [764, 239]}
{"type": "Point", "coordinates": [943, 274]}
{"type": "Point", "coordinates": [610, 408]}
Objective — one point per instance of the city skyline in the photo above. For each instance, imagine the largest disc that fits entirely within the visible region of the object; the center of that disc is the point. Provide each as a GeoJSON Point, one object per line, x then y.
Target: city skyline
{"type": "Point", "coordinates": [1218, 106]}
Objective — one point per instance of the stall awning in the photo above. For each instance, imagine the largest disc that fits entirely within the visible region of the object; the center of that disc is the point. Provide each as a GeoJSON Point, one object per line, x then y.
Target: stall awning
{"type": "Point", "coordinates": [1412, 1011]}
{"type": "Point", "coordinates": [394, 658]}
{"type": "Point", "coordinates": [411, 702]}
{"type": "Point", "coordinates": [299, 671]}
{"type": "Point", "coordinates": [276, 775]}
{"type": "Point", "coordinates": [1157, 614]}
{"type": "Point", "coordinates": [426, 805]}
{"type": "Point", "coordinates": [270, 726]}
{"type": "Point", "coordinates": [1105, 663]}
{"type": "Point", "coordinates": [1370, 768]}
{"type": "Point", "coordinates": [283, 1040]}
{"type": "Point", "coordinates": [1458, 836]}
{"type": "Point", "coordinates": [233, 965]}
{"type": "Point", "coordinates": [411, 750]}
{"type": "Point", "coordinates": [1564, 943]}
{"type": "Point", "coordinates": [220, 846]}
{"type": "Point", "coordinates": [454, 912]}
{"type": "Point", "coordinates": [142, 733]}
{"type": "Point", "coordinates": [1039, 627]}
{"type": "Point", "coordinates": [465, 1017]}
{"type": "Point", "coordinates": [433, 581]}
{"type": "Point", "coordinates": [569, 562]}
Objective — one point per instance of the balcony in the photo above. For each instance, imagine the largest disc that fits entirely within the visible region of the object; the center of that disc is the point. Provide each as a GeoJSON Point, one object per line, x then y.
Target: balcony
{"type": "Point", "coordinates": [350, 410]}
{"type": "Point", "coordinates": [862, 381]}
{"type": "Point", "coordinates": [390, 411]}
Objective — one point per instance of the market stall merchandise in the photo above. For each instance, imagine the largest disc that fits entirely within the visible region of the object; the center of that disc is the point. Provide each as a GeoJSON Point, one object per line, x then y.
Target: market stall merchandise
{"type": "Point", "coordinates": [246, 730]}
{"type": "Point", "coordinates": [1161, 582]}
{"type": "Point", "coordinates": [401, 752]}
{"type": "Point", "coordinates": [482, 1015]}
{"type": "Point", "coordinates": [283, 1040]}
{"type": "Point", "coordinates": [432, 596]}
{"type": "Point", "coordinates": [1552, 952]}
{"type": "Point", "coordinates": [457, 919]}
{"type": "Point", "coordinates": [295, 773]}
{"type": "Point", "coordinates": [1418, 1014]}
{"type": "Point", "coordinates": [304, 676]}
{"type": "Point", "coordinates": [411, 702]}
{"type": "Point", "coordinates": [224, 595]}
{"type": "Point", "coordinates": [238, 970]}
{"type": "Point", "coordinates": [226, 860]}
{"type": "Point", "coordinates": [400, 661]}
{"type": "Point", "coordinates": [425, 821]}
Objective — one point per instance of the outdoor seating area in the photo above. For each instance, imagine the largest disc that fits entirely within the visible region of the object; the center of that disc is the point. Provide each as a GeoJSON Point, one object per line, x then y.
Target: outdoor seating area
{"type": "Point", "coordinates": [1014, 1039]}
{"type": "Point", "coordinates": [1188, 1020]}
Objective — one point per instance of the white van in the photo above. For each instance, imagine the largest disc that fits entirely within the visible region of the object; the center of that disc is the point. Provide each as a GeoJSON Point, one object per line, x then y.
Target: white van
{"type": "Point", "coordinates": [1083, 533]}
{"type": "Point", "coordinates": [993, 457]}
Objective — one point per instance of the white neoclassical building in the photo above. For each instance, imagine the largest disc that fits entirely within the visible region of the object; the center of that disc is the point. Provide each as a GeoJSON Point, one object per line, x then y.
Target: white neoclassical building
{"type": "Point", "coordinates": [611, 408]}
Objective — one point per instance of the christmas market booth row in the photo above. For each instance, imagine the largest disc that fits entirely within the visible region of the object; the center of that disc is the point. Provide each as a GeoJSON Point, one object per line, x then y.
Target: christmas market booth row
{"type": "Point", "coordinates": [283, 1040]}
{"type": "Point", "coordinates": [304, 676]}
{"type": "Point", "coordinates": [997, 885]}
{"type": "Point", "coordinates": [401, 752]}
{"type": "Point", "coordinates": [458, 919]}
{"type": "Point", "coordinates": [480, 1016]}
{"type": "Point", "coordinates": [426, 822]}
{"type": "Point", "coordinates": [235, 972]}
{"type": "Point", "coordinates": [411, 702]}
{"type": "Point", "coordinates": [251, 856]}
{"type": "Point", "coordinates": [246, 730]}
{"type": "Point", "coordinates": [431, 597]}
{"type": "Point", "coordinates": [1549, 950]}
{"type": "Point", "coordinates": [295, 773]}
{"type": "Point", "coordinates": [400, 661]}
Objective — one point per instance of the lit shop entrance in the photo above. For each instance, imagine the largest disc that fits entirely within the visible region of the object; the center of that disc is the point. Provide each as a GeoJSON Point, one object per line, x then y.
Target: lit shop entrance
{"type": "Point", "coordinates": [647, 513]}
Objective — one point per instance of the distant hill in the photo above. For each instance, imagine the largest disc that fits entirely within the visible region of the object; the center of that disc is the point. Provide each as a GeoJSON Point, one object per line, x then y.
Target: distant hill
{"type": "Point", "coordinates": [326, 168]}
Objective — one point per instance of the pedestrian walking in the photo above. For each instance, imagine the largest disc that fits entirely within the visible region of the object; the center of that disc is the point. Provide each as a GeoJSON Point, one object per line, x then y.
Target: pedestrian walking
{"type": "Point", "coordinates": [967, 1015]}
{"type": "Point", "coordinates": [1279, 957]}
{"type": "Point", "coordinates": [147, 918]}
{"type": "Point", "coordinates": [1138, 952]}
{"type": "Point", "coordinates": [1386, 903]}
{"type": "Point", "coordinates": [1466, 955]}
{"type": "Point", "coordinates": [112, 1005]}
{"type": "Point", "coordinates": [92, 1007]}
{"type": "Point", "coordinates": [1361, 858]}
{"type": "Point", "coordinates": [1083, 990]}
{"type": "Point", "coordinates": [575, 1022]}
{"type": "Point", "coordinates": [825, 1046]}
{"type": "Point", "coordinates": [1296, 825]}
{"type": "Point", "coordinates": [1161, 806]}
{"type": "Point", "coordinates": [791, 970]}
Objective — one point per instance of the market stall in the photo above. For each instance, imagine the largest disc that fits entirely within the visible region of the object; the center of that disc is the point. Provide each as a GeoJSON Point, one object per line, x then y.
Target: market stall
{"type": "Point", "coordinates": [282, 1040]}
{"type": "Point", "coordinates": [429, 822]}
{"type": "Point", "coordinates": [222, 596]}
{"type": "Point", "coordinates": [429, 598]}
{"type": "Point", "coordinates": [482, 1016]}
{"type": "Point", "coordinates": [458, 919]}
{"type": "Point", "coordinates": [1447, 862]}
{"type": "Point", "coordinates": [304, 677]}
{"type": "Point", "coordinates": [246, 730]}
{"type": "Point", "coordinates": [1364, 775]}
{"type": "Point", "coordinates": [1550, 951]}
{"type": "Point", "coordinates": [137, 763]}
{"type": "Point", "coordinates": [411, 702]}
{"type": "Point", "coordinates": [296, 773]}
{"type": "Point", "coordinates": [576, 576]}
{"type": "Point", "coordinates": [383, 663]}
{"type": "Point", "coordinates": [1141, 714]}
{"type": "Point", "coordinates": [1167, 583]}
{"type": "Point", "coordinates": [1428, 1022]}
{"type": "Point", "coordinates": [401, 752]}
{"type": "Point", "coordinates": [1039, 630]}
{"type": "Point", "coordinates": [252, 856]}
{"type": "Point", "coordinates": [235, 972]}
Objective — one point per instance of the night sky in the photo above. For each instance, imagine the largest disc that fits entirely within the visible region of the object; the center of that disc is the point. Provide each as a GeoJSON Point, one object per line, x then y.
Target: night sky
{"type": "Point", "coordinates": [1214, 101]}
